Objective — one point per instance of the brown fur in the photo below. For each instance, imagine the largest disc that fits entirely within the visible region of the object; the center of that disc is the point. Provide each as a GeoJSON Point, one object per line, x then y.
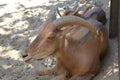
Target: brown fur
{"type": "Point", "coordinates": [76, 49]}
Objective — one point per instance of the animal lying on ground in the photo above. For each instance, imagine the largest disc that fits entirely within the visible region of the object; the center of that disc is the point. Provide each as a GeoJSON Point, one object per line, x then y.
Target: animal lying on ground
{"type": "Point", "coordinates": [76, 40]}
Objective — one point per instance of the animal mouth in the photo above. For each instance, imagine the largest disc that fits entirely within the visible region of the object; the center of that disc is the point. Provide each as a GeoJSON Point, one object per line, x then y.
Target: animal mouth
{"type": "Point", "coordinates": [27, 58]}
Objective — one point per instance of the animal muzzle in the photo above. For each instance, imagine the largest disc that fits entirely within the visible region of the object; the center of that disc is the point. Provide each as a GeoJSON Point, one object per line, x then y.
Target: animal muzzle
{"type": "Point", "coordinates": [26, 58]}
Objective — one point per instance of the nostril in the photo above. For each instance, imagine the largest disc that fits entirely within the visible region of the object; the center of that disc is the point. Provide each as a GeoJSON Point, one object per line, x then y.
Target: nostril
{"type": "Point", "coordinates": [24, 55]}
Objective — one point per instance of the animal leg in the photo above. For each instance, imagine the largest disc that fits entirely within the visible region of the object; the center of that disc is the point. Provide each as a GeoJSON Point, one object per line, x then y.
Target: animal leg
{"type": "Point", "coordinates": [60, 70]}
{"type": "Point", "coordinates": [78, 77]}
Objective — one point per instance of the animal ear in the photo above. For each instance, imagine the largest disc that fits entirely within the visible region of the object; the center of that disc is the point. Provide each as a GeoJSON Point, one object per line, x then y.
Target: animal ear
{"type": "Point", "coordinates": [68, 36]}
{"type": "Point", "coordinates": [51, 35]}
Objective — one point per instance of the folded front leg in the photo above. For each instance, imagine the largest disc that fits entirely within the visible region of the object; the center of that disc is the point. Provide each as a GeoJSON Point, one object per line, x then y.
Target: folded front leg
{"type": "Point", "coordinates": [60, 70]}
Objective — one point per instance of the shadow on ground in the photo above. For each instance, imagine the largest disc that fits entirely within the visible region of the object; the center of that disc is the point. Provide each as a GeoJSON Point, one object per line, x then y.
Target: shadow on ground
{"type": "Point", "coordinates": [19, 28]}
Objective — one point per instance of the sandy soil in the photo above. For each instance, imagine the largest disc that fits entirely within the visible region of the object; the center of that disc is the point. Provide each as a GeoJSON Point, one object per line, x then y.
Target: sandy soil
{"type": "Point", "coordinates": [19, 23]}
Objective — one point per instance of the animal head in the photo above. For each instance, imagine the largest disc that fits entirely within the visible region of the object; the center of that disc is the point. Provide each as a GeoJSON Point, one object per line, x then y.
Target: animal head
{"type": "Point", "coordinates": [97, 12]}
{"type": "Point", "coordinates": [91, 11]}
{"type": "Point", "coordinates": [44, 44]}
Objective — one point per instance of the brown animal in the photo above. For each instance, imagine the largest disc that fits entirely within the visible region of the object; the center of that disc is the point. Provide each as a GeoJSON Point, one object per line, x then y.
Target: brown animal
{"type": "Point", "coordinates": [76, 42]}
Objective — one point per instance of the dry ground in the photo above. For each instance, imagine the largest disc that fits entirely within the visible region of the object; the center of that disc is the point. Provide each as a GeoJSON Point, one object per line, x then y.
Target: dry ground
{"type": "Point", "coordinates": [19, 23]}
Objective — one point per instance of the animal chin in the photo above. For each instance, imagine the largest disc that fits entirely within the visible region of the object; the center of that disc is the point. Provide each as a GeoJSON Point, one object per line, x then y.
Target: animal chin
{"type": "Point", "coordinates": [41, 56]}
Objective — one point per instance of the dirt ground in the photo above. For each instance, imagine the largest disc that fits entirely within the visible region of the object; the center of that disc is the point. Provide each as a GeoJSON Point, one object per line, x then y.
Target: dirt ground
{"type": "Point", "coordinates": [19, 23]}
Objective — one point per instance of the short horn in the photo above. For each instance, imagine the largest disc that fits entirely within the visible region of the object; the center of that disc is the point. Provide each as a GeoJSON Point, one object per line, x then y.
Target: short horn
{"type": "Point", "coordinates": [73, 20]}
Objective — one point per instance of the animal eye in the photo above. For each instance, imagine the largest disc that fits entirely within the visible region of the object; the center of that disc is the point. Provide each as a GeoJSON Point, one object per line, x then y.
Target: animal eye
{"type": "Point", "coordinates": [51, 36]}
